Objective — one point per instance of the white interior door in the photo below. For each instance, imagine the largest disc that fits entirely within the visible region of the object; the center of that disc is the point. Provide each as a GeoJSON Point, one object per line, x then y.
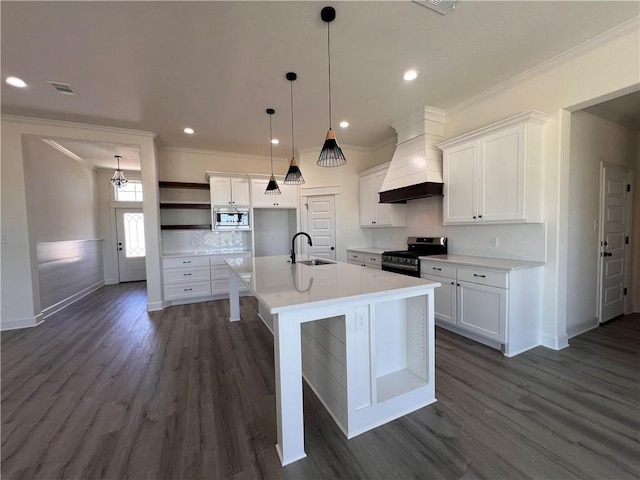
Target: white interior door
{"type": "Point", "coordinates": [613, 241]}
{"type": "Point", "coordinates": [131, 247]}
{"type": "Point", "coordinates": [321, 225]}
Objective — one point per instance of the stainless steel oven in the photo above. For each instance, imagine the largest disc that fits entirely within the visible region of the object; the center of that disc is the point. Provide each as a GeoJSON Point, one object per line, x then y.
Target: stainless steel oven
{"type": "Point", "coordinates": [406, 262]}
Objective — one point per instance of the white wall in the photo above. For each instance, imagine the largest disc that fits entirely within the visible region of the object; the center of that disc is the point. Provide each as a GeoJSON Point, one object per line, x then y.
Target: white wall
{"type": "Point", "coordinates": [20, 304]}
{"type": "Point", "coordinates": [593, 140]}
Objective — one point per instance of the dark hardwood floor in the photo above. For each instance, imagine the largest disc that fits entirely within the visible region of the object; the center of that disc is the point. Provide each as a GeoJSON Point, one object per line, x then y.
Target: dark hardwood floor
{"type": "Point", "coordinates": [105, 390]}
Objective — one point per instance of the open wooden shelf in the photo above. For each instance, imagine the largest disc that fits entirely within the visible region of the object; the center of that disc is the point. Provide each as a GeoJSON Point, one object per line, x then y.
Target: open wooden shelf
{"type": "Point", "coordinates": [203, 206]}
{"type": "Point", "coordinates": [187, 185]}
{"type": "Point", "coordinates": [186, 227]}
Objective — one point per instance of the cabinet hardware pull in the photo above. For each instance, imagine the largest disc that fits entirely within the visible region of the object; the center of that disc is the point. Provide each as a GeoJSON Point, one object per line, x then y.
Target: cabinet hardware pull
{"type": "Point", "coordinates": [481, 276]}
{"type": "Point", "coordinates": [187, 262]}
{"type": "Point", "coordinates": [474, 217]}
{"type": "Point", "coordinates": [186, 274]}
{"type": "Point", "coordinates": [479, 216]}
{"type": "Point", "coordinates": [452, 283]}
{"type": "Point", "coordinates": [436, 268]}
{"type": "Point", "coordinates": [458, 284]}
{"type": "Point", "coordinates": [188, 289]}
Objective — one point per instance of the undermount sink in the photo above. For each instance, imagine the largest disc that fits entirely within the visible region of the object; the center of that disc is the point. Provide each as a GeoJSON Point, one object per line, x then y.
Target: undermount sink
{"type": "Point", "coordinates": [315, 261]}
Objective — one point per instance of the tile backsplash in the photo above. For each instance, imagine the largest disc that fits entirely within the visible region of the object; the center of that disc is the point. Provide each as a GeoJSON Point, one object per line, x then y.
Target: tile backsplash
{"type": "Point", "coordinates": [185, 241]}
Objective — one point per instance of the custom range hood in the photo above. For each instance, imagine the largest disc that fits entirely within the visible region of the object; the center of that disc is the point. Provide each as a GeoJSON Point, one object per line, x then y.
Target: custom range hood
{"type": "Point", "coordinates": [416, 167]}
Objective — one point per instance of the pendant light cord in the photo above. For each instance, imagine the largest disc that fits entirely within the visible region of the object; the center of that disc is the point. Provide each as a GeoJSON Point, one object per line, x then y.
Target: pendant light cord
{"type": "Point", "coordinates": [329, 57]}
{"type": "Point", "coordinates": [271, 144]}
{"type": "Point", "coordinates": [293, 148]}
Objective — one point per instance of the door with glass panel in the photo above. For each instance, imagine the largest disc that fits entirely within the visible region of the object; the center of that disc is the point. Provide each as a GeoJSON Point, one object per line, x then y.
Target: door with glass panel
{"type": "Point", "coordinates": [131, 249]}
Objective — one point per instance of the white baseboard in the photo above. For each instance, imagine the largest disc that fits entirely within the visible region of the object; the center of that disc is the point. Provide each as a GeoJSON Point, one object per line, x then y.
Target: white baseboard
{"type": "Point", "coordinates": [111, 281]}
{"type": "Point", "coordinates": [21, 323]}
{"type": "Point", "coordinates": [582, 327]}
{"type": "Point", "coordinates": [554, 343]}
{"type": "Point", "coordinates": [477, 338]}
{"type": "Point", "coordinates": [47, 312]}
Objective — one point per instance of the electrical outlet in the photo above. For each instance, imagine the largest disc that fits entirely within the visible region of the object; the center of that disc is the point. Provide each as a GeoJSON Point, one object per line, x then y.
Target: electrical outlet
{"type": "Point", "coordinates": [494, 242]}
{"type": "Point", "coordinates": [361, 321]}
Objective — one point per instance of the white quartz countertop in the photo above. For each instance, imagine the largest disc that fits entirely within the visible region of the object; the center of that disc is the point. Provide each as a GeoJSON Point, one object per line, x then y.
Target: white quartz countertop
{"type": "Point", "coordinates": [483, 262]}
{"type": "Point", "coordinates": [229, 252]}
{"type": "Point", "coordinates": [371, 250]}
{"type": "Point", "coordinates": [282, 286]}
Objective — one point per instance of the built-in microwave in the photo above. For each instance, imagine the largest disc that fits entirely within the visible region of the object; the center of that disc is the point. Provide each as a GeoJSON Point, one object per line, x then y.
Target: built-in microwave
{"type": "Point", "coordinates": [231, 219]}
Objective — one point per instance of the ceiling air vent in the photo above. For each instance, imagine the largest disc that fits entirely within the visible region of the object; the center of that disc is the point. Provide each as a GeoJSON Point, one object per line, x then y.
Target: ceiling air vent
{"type": "Point", "coordinates": [63, 88]}
{"type": "Point", "coordinates": [441, 6]}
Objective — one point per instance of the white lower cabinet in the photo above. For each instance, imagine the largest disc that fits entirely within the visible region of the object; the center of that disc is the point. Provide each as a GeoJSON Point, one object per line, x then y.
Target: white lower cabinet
{"type": "Point", "coordinates": [196, 278]}
{"type": "Point", "coordinates": [499, 308]}
{"type": "Point", "coordinates": [365, 259]}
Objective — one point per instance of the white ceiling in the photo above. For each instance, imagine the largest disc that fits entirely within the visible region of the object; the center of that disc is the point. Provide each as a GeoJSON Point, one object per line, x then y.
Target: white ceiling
{"type": "Point", "coordinates": [216, 66]}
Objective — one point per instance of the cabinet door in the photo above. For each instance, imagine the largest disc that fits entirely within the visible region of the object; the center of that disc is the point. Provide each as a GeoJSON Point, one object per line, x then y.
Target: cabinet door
{"type": "Point", "coordinates": [367, 205]}
{"type": "Point", "coordinates": [444, 299]}
{"type": "Point", "coordinates": [240, 191]}
{"type": "Point", "coordinates": [384, 212]}
{"type": "Point", "coordinates": [459, 165]}
{"type": "Point", "coordinates": [220, 190]}
{"type": "Point", "coordinates": [501, 179]}
{"type": "Point", "coordinates": [260, 199]}
{"type": "Point", "coordinates": [482, 310]}
{"type": "Point", "coordinates": [289, 196]}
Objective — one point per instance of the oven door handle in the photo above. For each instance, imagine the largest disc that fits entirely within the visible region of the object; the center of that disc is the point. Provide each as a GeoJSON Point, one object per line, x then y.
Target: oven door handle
{"type": "Point", "coordinates": [399, 266]}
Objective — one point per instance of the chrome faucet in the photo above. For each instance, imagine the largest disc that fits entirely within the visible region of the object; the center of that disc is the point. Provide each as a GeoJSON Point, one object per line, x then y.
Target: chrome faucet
{"type": "Point", "coordinates": [293, 244]}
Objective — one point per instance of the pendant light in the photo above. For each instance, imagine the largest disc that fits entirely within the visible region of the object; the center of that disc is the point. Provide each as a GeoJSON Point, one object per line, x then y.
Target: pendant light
{"type": "Point", "coordinates": [118, 180]}
{"type": "Point", "coordinates": [331, 154]}
{"type": "Point", "coordinates": [272, 187]}
{"type": "Point", "coordinates": [294, 175]}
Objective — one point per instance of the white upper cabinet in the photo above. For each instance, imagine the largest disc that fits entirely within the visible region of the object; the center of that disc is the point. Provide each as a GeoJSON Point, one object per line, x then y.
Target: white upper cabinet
{"type": "Point", "coordinates": [287, 199]}
{"type": "Point", "coordinates": [373, 213]}
{"type": "Point", "coordinates": [232, 191]}
{"type": "Point", "coordinates": [494, 175]}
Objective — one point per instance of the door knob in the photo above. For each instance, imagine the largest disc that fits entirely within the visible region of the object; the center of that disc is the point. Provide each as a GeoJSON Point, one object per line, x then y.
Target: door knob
{"type": "Point", "coordinates": [608, 254]}
{"type": "Point", "coordinates": [120, 248]}
{"type": "Point", "coordinates": [332, 248]}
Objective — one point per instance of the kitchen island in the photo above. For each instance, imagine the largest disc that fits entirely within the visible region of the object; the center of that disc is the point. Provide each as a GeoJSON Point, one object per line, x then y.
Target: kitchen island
{"type": "Point", "coordinates": [363, 339]}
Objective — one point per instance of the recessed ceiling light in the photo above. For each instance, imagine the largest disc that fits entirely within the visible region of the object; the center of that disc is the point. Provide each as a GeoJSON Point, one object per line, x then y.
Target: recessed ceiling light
{"type": "Point", "coordinates": [275, 141]}
{"type": "Point", "coordinates": [189, 131]}
{"type": "Point", "coordinates": [410, 75]}
{"type": "Point", "coordinates": [16, 82]}
{"type": "Point", "coordinates": [344, 124]}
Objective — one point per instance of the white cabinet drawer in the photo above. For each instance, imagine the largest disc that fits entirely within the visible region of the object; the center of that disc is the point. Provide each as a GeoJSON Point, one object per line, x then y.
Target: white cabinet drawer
{"type": "Point", "coordinates": [187, 290]}
{"type": "Point", "coordinates": [189, 274]}
{"type": "Point", "coordinates": [372, 259]}
{"type": "Point", "coordinates": [484, 277]}
{"type": "Point", "coordinates": [438, 269]}
{"type": "Point", "coordinates": [201, 261]}
{"type": "Point", "coordinates": [355, 256]}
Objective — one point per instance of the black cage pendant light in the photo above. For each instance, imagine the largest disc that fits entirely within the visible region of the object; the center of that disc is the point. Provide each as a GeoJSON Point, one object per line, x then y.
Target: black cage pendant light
{"type": "Point", "coordinates": [118, 180]}
{"type": "Point", "coordinates": [294, 175]}
{"type": "Point", "coordinates": [331, 154]}
{"type": "Point", "coordinates": [272, 186]}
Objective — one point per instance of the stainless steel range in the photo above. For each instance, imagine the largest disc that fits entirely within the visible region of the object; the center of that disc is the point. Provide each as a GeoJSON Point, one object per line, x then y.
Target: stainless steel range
{"type": "Point", "coordinates": [406, 261]}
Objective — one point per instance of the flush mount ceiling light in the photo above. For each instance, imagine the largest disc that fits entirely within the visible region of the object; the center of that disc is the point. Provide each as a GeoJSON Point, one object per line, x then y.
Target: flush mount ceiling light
{"type": "Point", "coordinates": [331, 154]}
{"type": "Point", "coordinates": [189, 131]}
{"type": "Point", "coordinates": [16, 82]}
{"type": "Point", "coordinates": [118, 180]}
{"type": "Point", "coordinates": [294, 175]}
{"type": "Point", "coordinates": [410, 75]}
{"type": "Point", "coordinates": [441, 6]}
{"type": "Point", "coordinates": [272, 187]}
{"type": "Point", "coordinates": [275, 141]}
{"type": "Point", "coordinates": [344, 124]}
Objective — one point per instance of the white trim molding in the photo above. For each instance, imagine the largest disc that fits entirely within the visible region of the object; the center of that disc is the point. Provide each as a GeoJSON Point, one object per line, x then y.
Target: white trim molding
{"type": "Point", "coordinates": [83, 126]}
{"type": "Point", "coordinates": [554, 343]}
{"type": "Point", "coordinates": [21, 323]}
{"type": "Point", "coordinates": [47, 312]}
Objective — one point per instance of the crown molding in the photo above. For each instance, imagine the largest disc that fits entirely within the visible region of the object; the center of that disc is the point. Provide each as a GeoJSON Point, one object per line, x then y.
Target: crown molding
{"type": "Point", "coordinates": [82, 126]}
{"type": "Point", "coordinates": [68, 153]}
{"type": "Point", "coordinates": [199, 151]}
{"type": "Point", "coordinates": [632, 25]}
